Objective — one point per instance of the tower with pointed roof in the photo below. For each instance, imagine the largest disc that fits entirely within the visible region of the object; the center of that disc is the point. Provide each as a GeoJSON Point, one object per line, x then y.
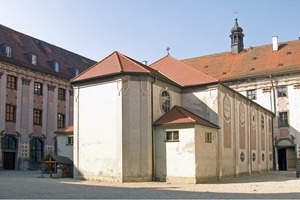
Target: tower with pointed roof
{"type": "Point", "coordinates": [237, 43]}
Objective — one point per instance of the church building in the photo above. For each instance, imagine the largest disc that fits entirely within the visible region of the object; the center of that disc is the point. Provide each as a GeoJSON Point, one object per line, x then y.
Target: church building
{"type": "Point", "coordinates": [165, 122]}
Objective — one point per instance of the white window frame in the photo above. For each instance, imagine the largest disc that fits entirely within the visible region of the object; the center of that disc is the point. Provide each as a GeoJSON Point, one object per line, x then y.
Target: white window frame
{"type": "Point", "coordinates": [172, 136]}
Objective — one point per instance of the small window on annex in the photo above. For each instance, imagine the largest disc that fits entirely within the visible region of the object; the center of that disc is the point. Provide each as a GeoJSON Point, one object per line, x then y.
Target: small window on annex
{"type": "Point", "coordinates": [208, 137]}
{"type": "Point", "coordinates": [251, 94]}
{"type": "Point", "coordinates": [165, 101]}
{"type": "Point", "coordinates": [70, 140]}
{"type": "Point", "coordinates": [282, 91]}
{"type": "Point", "coordinates": [172, 136]}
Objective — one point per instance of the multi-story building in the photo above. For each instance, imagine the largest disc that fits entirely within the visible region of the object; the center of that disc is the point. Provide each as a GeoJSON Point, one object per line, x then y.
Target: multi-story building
{"type": "Point", "coordinates": [36, 98]}
{"type": "Point", "coordinates": [267, 74]}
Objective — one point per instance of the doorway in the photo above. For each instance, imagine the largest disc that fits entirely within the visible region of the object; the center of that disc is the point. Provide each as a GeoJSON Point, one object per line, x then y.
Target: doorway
{"type": "Point", "coordinates": [282, 165]}
{"type": "Point", "coordinates": [9, 160]}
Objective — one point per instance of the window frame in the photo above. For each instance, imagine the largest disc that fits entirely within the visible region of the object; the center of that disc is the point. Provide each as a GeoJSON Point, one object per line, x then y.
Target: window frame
{"type": "Point", "coordinates": [61, 94]}
{"type": "Point", "coordinates": [172, 138]}
{"type": "Point", "coordinates": [38, 88]}
{"type": "Point", "coordinates": [8, 51]}
{"type": "Point", "coordinates": [11, 82]}
{"type": "Point", "coordinates": [10, 113]}
{"type": "Point", "coordinates": [283, 119]}
{"type": "Point", "coordinates": [37, 117]}
{"type": "Point", "coordinates": [208, 137]}
{"type": "Point", "coordinates": [251, 94]}
{"type": "Point", "coordinates": [70, 140]}
{"type": "Point", "coordinates": [282, 91]}
{"type": "Point", "coordinates": [60, 120]}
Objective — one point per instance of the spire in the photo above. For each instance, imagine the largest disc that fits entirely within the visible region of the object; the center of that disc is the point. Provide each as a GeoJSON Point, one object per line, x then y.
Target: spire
{"type": "Point", "coordinates": [237, 43]}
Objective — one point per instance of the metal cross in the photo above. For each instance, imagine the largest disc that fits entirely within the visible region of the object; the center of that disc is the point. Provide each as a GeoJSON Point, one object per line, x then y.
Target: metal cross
{"type": "Point", "coordinates": [168, 50]}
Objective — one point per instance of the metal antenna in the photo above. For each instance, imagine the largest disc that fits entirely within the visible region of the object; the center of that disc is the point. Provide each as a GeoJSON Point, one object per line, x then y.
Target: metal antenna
{"type": "Point", "coordinates": [168, 50]}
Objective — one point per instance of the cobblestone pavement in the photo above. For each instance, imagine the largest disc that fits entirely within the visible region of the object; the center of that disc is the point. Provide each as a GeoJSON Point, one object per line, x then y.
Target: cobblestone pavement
{"type": "Point", "coordinates": [30, 185]}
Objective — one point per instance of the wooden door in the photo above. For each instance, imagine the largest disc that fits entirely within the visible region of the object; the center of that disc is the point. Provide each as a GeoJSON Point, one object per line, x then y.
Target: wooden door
{"type": "Point", "coordinates": [9, 160]}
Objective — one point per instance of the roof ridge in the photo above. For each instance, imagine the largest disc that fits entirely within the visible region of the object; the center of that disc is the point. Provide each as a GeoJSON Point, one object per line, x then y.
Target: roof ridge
{"type": "Point", "coordinates": [91, 67]}
{"type": "Point", "coordinates": [135, 63]}
{"type": "Point", "coordinates": [180, 109]}
{"type": "Point", "coordinates": [158, 60]}
{"type": "Point", "coordinates": [119, 61]}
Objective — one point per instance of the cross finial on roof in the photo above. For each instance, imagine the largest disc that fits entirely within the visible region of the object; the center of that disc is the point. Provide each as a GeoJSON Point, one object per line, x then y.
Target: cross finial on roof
{"type": "Point", "coordinates": [168, 50]}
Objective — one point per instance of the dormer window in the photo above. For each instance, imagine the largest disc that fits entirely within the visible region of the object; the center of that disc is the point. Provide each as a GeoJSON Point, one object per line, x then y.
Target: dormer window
{"type": "Point", "coordinates": [55, 65]}
{"type": "Point", "coordinates": [7, 51]}
{"type": "Point", "coordinates": [75, 71]}
{"type": "Point", "coordinates": [32, 58]}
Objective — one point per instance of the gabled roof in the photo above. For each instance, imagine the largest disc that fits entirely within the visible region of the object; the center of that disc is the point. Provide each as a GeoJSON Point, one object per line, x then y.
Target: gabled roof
{"type": "Point", "coordinates": [179, 115]}
{"type": "Point", "coordinates": [117, 63]}
{"type": "Point", "coordinates": [23, 45]}
{"type": "Point", "coordinates": [252, 62]}
{"type": "Point", "coordinates": [181, 73]}
{"type": "Point", "coordinates": [50, 158]}
{"type": "Point", "coordinates": [68, 131]}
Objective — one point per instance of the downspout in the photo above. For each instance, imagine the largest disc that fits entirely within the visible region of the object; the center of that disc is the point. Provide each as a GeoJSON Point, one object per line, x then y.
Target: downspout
{"type": "Point", "coordinates": [152, 129]}
{"type": "Point", "coordinates": [77, 130]}
{"type": "Point", "coordinates": [274, 108]}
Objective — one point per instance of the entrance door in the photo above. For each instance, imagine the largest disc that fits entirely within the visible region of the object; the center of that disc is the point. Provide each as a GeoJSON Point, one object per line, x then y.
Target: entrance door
{"type": "Point", "coordinates": [9, 160]}
{"type": "Point", "coordinates": [282, 159]}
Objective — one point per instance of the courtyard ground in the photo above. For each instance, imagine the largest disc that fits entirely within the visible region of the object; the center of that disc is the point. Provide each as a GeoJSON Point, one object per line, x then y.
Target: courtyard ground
{"type": "Point", "coordinates": [30, 185]}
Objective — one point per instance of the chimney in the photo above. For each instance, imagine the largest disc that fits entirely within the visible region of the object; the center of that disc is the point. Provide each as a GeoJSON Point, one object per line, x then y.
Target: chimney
{"type": "Point", "coordinates": [275, 43]}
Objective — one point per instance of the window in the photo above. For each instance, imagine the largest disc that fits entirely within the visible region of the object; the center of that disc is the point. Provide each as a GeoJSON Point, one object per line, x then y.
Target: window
{"type": "Point", "coordinates": [165, 101]}
{"type": "Point", "coordinates": [36, 149]}
{"type": "Point", "coordinates": [33, 59]}
{"type": "Point", "coordinates": [282, 91]}
{"type": "Point", "coordinates": [60, 120]}
{"type": "Point", "coordinates": [38, 88]}
{"type": "Point", "coordinates": [70, 140]}
{"type": "Point", "coordinates": [11, 82]}
{"type": "Point", "coordinates": [56, 66]}
{"type": "Point", "coordinates": [251, 94]}
{"type": "Point", "coordinates": [37, 117]}
{"type": "Point", "coordinates": [208, 137]}
{"type": "Point", "coordinates": [172, 136]}
{"type": "Point", "coordinates": [9, 142]}
{"type": "Point", "coordinates": [10, 115]}
{"type": "Point", "coordinates": [7, 51]}
{"type": "Point", "coordinates": [61, 94]}
{"type": "Point", "coordinates": [283, 119]}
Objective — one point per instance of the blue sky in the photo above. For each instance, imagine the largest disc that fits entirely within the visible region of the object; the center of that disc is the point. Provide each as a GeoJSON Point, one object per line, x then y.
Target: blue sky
{"type": "Point", "coordinates": [143, 29]}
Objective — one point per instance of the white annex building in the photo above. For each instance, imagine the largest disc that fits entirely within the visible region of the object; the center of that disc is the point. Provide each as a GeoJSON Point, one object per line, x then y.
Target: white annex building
{"type": "Point", "coordinates": [164, 122]}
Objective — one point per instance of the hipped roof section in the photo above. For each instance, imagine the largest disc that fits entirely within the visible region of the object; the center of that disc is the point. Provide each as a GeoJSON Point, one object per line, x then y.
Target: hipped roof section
{"type": "Point", "coordinates": [251, 62]}
{"type": "Point", "coordinates": [178, 115]}
{"type": "Point", "coordinates": [181, 73]}
{"type": "Point", "coordinates": [115, 64]}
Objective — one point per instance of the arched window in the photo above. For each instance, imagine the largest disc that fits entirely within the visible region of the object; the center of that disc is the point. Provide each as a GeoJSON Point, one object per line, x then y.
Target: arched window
{"type": "Point", "coordinates": [36, 149]}
{"type": "Point", "coordinates": [9, 142]}
{"type": "Point", "coordinates": [165, 101]}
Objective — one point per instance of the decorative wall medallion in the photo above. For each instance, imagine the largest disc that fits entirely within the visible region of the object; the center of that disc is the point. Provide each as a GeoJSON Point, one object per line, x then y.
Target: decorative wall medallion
{"type": "Point", "coordinates": [242, 156]}
{"type": "Point", "coordinates": [242, 114]}
{"type": "Point", "coordinates": [227, 109]}
{"type": "Point", "coordinates": [253, 157]}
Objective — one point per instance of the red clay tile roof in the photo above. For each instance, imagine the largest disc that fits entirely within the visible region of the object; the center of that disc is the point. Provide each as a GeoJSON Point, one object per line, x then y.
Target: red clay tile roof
{"type": "Point", "coordinates": [253, 61]}
{"type": "Point", "coordinates": [179, 115]}
{"type": "Point", "coordinates": [22, 45]}
{"type": "Point", "coordinates": [181, 73]}
{"type": "Point", "coordinates": [68, 130]}
{"type": "Point", "coordinates": [117, 63]}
